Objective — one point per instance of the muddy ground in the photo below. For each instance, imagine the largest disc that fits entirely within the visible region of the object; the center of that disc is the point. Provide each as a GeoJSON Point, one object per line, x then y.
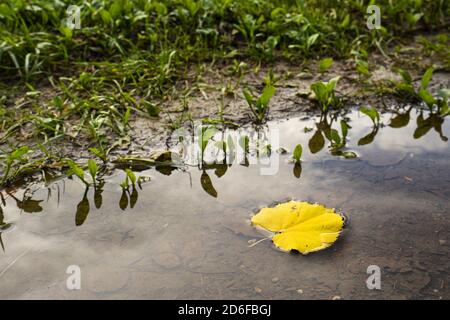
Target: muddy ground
{"type": "Point", "coordinates": [216, 95]}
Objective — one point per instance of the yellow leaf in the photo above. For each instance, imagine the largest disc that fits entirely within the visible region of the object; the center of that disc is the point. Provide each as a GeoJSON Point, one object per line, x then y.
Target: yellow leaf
{"type": "Point", "coordinates": [300, 226]}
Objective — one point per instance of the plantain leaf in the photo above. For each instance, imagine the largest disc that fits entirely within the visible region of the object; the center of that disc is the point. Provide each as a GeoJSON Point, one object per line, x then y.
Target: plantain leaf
{"type": "Point", "coordinates": [426, 78]}
{"type": "Point", "coordinates": [325, 64]}
{"type": "Point", "coordinates": [297, 153]}
{"type": "Point", "coordinates": [19, 153]}
{"type": "Point", "coordinates": [405, 76]}
{"type": "Point", "coordinates": [92, 166]}
{"type": "Point", "coordinates": [372, 113]}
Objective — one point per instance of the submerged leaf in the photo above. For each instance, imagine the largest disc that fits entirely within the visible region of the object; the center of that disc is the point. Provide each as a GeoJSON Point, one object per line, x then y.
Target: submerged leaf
{"type": "Point", "coordinates": [300, 225]}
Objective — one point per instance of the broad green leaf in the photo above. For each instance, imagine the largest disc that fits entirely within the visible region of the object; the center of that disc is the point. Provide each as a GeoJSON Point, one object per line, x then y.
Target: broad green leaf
{"type": "Point", "coordinates": [76, 170]}
{"type": "Point", "coordinates": [5, 10]}
{"type": "Point", "coordinates": [331, 85]}
{"type": "Point", "coordinates": [297, 154]}
{"type": "Point", "coordinates": [325, 64]}
{"type": "Point", "coordinates": [98, 153]}
{"type": "Point", "coordinates": [426, 78]}
{"type": "Point", "coordinates": [131, 175]}
{"type": "Point", "coordinates": [311, 40]}
{"type": "Point", "coordinates": [405, 76]}
{"type": "Point", "coordinates": [320, 90]}
{"type": "Point", "coordinates": [344, 128]}
{"type": "Point", "coordinates": [126, 116]}
{"type": "Point", "coordinates": [300, 226]}
{"type": "Point", "coordinates": [115, 9]}
{"type": "Point", "coordinates": [106, 16]}
{"type": "Point", "coordinates": [344, 24]}
{"type": "Point", "coordinates": [92, 166]}
{"type": "Point", "coordinates": [335, 137]}
{"type": "Point", "coordinates": [362, 67]}
{"type": "Point", "coordinates": [206, 134]}
{"type": "Point", "coordinates": [248, 97]}
{"type": "Point", "coordinates": [372, 113]}
{"type": "Point", "coordinates": [427, 97]}
{"type": "Point", "coordinates": [67, 32]}
{"type": "Point", "coordinates": [19, 153]}
{"type": "Point", "coordinates": [266, 95]}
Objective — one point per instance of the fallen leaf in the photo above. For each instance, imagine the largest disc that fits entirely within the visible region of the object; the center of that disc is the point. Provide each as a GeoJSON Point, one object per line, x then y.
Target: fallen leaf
{"type": "Point", "coordinates": [300, 226]}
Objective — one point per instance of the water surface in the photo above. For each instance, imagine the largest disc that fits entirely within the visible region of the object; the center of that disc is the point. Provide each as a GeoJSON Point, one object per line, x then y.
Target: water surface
{"type": "Point", "coordinates": [186, 236]}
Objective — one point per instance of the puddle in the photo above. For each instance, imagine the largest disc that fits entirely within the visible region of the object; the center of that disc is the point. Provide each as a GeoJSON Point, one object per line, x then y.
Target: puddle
{"type": "Point", "coordinates": [185, 233]}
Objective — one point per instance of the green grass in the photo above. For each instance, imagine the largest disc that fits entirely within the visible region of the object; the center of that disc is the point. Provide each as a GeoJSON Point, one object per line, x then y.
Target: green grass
{"type": "Point", "coordinates": [129, 57]}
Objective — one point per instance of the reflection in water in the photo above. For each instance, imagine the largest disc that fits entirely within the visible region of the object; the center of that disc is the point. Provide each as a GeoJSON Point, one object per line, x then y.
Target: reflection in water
{"type": "Point", "coordinates": [401, 119]}
{"type": "Point", "coordinates": [335, 128]}
{"type": "Point", "coordinates": [368, 139]}
{"type": "Point", "coordinates": [128, 198]}
{"type": "Point", "coordinates": [207, 185]}
{"type": "Point", "coordinates": [188, 236]}
{"type": "Point", "coordinates": [27, 204]}
{"type": "Point", "coordinates": [297, 170]}
{"type": "Point", "coordinates": [98, 190]}
{"type": "Point", "coordinates": [83, 208]}
{"type": "Point", "coordinates": [424, 125]}
{"type": "Point", "coordinates": [337, 139]}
